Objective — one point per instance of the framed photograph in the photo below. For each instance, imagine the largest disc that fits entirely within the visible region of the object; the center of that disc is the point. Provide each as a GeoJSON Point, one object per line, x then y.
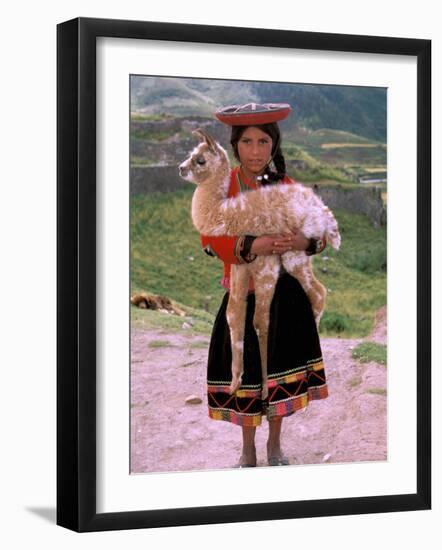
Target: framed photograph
{"type": "Point", "coordinates": [148, 434]}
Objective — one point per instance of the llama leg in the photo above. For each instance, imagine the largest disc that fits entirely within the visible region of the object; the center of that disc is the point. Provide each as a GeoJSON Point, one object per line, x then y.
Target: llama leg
{"type": "Point", "coordinates": [236, 318]}
{"type": "Point", "coordinates": [265, 278]}
{"type": "Point", "coordinates": [300, 267]}
{"type": "Point", "coordinates": [318, 298]}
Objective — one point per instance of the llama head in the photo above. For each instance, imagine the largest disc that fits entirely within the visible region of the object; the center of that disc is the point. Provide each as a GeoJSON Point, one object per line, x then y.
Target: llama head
{"type": "Point", "coordinates": [207, 162]}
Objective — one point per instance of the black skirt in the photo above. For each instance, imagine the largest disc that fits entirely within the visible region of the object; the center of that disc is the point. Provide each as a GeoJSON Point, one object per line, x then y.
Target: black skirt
{"type": "Point", "coordinates": [295, 367]}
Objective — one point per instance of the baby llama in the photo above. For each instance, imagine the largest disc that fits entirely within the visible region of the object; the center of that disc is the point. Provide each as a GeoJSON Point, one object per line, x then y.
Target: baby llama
{"type": "Point", "coordinates": [270, 209]}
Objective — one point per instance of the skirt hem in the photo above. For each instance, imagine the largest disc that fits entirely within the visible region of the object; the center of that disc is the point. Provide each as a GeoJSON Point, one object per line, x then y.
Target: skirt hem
{"type": "Point", "coordinates": [280, 409]}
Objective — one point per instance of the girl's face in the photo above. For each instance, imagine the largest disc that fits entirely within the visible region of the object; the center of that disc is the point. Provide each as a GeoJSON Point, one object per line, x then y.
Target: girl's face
{"type": "Point", "coordinates": [254, 150]}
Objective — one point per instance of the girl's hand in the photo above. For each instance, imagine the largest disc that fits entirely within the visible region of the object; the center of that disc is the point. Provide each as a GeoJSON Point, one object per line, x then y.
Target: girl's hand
{"type": "Point", "coordinates": [279, 243]}
{"type": "Point", "coordinates": [296, 240]}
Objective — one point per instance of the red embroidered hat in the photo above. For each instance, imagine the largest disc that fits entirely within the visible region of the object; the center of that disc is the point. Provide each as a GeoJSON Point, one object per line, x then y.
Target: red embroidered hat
{"type": "Point", "coordinates": [253, 113]}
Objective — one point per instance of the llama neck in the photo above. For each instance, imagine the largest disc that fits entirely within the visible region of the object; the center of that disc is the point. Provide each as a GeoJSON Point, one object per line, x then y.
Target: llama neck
{"type": "Point", "coordinates": [207, 202]}
{"type": "Point", "coordinates": [211, 195]}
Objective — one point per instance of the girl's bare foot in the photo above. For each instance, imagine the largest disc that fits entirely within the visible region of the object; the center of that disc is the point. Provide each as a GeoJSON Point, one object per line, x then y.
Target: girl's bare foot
{"type": "Point", "coordinates": [275, 456]}
{"type": "Point", "coordinates": [248, 455]}
{"type": "Point", "coordinates": [247, 458]}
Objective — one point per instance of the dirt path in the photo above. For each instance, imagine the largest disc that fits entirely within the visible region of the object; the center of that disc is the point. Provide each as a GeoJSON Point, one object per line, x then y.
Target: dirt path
{"type": "Point", "coordinates": [169, 435]}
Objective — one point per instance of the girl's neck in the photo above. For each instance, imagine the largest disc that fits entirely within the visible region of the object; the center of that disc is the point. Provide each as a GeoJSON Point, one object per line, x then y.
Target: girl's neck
{"type": "Point", "coordinates": [248, 176]}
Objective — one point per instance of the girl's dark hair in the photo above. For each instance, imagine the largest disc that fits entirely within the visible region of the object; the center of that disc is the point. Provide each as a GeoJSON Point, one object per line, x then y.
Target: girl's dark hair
{"type": "Point", "coordinates": [272, 130]}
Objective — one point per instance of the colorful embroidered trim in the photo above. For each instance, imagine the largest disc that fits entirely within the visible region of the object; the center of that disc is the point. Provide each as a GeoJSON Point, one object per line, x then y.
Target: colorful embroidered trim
{"type": "Point", "coordinates": [287, 394]}
{"type": "Point", "coordinates": [295, 376]}
{"type": "Point", "coordinates": [235, 418]}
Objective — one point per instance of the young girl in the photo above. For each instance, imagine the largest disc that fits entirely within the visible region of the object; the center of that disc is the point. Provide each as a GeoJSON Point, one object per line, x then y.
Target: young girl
{"type": "Point", "coordinates": [295, 368]}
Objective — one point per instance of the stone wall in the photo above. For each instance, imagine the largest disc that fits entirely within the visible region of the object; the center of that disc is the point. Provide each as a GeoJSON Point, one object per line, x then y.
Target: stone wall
{"type": "Point", "coordinates": [148, 179]}
{"type": "Point", "coordinates": [363, 200]}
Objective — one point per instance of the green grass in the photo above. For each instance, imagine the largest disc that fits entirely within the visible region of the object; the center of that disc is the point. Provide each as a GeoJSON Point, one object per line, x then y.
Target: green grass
{"type": "Point", "coordinates": [320, 173]}
{"type": "Point", "coordinates": [166, 254]}
{"type": "Point", "coordinates": [199, 345]}
{"type": "Point", "coordinates": [355, 277]}
{"type": "Point", "coordinates": [160, 344]}
{"type": "Point", "coordinates": [370, 351]}
{"type": "Point", "coordinates": [166, 258]}
{"type": "Point", "coordinates": [312, 154]}
{"type": "Point", "coordinates": [200, 321]}
{"type": "Point", "coordinates": [355, 381]}
{"type": "Point", "coordinates": [377, 391]}
{"type": "Point", "coordinates": [311, 145]}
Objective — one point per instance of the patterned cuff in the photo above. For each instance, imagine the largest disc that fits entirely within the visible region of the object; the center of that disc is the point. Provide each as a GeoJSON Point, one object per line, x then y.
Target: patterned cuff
{"type": "Point", "coordinates": [242, 249]}
{"type": "Point", "coordinates": [246, 254]}
{"type": "Point", "coordinates": [209, 251]}
{"type": "Point", "coordinates": [316, 246]}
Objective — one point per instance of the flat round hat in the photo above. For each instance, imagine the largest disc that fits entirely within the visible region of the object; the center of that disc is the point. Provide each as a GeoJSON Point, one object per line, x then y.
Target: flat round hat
{"type": "Point", "coordinates": [253, 113]}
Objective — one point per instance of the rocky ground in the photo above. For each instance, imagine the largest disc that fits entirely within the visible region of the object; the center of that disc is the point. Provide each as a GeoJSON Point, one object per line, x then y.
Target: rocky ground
{"type": "Point", "coordinates": [168, 434]}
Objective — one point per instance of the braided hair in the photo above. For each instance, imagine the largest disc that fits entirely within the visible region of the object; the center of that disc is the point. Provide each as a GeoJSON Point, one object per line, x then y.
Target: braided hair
{"type": "Point", "coordinates": [272, 130]}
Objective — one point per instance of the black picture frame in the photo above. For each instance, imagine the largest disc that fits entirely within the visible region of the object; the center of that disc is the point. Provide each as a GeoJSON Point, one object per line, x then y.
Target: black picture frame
{"type": "Point", "coordinates": [76, 274]}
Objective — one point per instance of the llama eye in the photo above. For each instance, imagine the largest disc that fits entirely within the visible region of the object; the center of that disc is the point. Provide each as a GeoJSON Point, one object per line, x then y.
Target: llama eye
{"type": "Point", "coordinates": [200, 161]}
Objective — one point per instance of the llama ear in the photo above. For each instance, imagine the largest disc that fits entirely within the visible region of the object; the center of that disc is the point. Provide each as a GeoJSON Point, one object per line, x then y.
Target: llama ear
{"type": "Point", "coordinates": [206, 138]}
{"type": "Point", "coordinates": [199, 134]}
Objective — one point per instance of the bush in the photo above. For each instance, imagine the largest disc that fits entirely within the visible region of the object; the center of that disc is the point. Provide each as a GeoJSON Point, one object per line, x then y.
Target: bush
{"type": "Point", "coordinates": [371, 259]}
{"type": "Point", "coordinates": [335, 322]}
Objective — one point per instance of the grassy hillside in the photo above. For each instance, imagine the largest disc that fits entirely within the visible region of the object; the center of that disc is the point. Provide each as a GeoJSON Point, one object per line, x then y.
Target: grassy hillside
{"type": "Point", "coordinates": [166, 258]}
{"type": "Point", "coordinates": [361, 110]}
